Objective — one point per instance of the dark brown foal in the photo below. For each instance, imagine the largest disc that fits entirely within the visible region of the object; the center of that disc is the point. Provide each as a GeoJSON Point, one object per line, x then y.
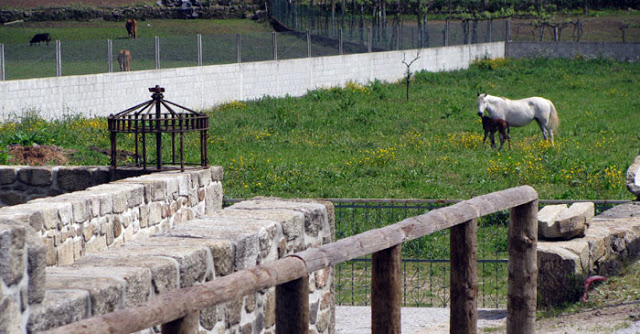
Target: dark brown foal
{"type": "Point", "coordinates": [491, 125]}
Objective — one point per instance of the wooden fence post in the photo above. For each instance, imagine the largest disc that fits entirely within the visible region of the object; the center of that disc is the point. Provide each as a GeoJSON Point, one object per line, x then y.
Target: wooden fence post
{"type": "Point", "coordinates": [292, 307]}
{"type": "Point", "coordinates": [523, 268]}
{"type": "Point", "coordinates": [190, 323]}
{"type": "Point", "coordinates": [386, 290]}
{"type": "Point", "coordinates": [464, 277]}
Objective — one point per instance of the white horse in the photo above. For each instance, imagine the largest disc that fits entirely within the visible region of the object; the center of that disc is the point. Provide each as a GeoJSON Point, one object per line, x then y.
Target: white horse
{"type": "Point", "coordinates": [521, 112]}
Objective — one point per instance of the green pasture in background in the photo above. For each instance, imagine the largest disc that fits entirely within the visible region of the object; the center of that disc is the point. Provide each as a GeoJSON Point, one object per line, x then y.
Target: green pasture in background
{"type": "Point", "coordinates": [368, 141]}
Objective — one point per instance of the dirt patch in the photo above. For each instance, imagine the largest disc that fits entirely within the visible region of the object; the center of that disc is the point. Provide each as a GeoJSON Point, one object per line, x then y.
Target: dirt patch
{"type": "Point", "coordinates": [619, 318]}
{"type": "Point", "coordinates": [38, 155]}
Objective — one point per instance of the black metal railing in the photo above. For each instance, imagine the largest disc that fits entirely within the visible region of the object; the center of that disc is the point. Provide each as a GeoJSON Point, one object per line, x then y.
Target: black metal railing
{"type": "Point", "coordinates": [425, 263]}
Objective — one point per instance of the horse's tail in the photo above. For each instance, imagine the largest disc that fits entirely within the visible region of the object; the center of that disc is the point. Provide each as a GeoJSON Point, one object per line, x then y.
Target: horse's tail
{"type": "Point", "coordinates": [554, 121]}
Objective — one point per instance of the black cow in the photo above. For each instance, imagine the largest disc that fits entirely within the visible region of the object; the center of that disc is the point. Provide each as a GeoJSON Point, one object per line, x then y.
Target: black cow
{"type": "Point", "coordinates": [39, 38]}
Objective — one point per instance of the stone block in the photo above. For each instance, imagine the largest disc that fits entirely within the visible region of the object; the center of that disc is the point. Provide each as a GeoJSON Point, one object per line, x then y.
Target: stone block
{"type": "Point", "coordinates": [221, 250]}
{"type": "Point", "coordinates": [64, 253]}
{"type": "Point", "coordinates": [315, 215]}
{"type": "Point", "coordinates": [164, 271]}
{"type": "Point", "coordinates": [59, 307]}
{"type": "Point", "coordinates": [559, 222]}
{"type": "Point", "coordinates": [559, 274]}
{"type": "Point", "coordinates": [74, 178]}
{"type": "Point", "coordinates": [579, 209]}
{"type": "Point", "coordinates": [193, 260]}
{"type": "Point", "coordinates": [106, 294]}
{"type": "Point", "coordinates": [134, 282]}
{"type": "Point", "coordinates": [12, 251]}
{"type": "Point", "coordinates": [213, 198]}
{"type": "Point", "coordinates": [10, 198]}
{"type": "Point", "coordinates": [217, 173]}
{"type": "Point", "coordinates": [36, 176]}
{"type": "Point", "coordinates": [633, 177]}
{"type": "Point", "coordinates": [8, 175]}
{"type": "Point", "coordinates": [292, 221]}
{"type": "Point", "coordinates": [36, 260]}
{"type": "Point", "coordinates": [10, 315]}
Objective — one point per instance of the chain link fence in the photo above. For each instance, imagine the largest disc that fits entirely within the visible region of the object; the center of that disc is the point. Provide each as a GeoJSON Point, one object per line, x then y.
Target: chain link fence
{"type": "Point", "coordinates": [60, 58]}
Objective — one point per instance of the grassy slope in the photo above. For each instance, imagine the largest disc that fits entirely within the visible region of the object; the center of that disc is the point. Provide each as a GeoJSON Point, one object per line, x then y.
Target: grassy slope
{"type": "Point", "coordinates": [368, 141]}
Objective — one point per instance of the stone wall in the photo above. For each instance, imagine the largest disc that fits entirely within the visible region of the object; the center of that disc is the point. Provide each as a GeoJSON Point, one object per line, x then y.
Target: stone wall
{"type": "Point", "coordinates": [193, 86]}
{"type": "Point", "coordinates": [125, 242]}
{"type": "Point", "coordinates": [589, 50]}
{"type": "Point", "coordinates": [610, 241]}
{"type": "Point", "coordinates": [103, 216]}
{"type": "Point", "coordinates": [20, 184]}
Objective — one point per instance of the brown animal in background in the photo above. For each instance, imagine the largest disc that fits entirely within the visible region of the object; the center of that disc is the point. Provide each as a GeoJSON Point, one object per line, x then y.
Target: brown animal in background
{"type": "Point", "coordinates": [124, 59]}
{"type": "Point", "coordinates": [40, 38]}
{"type": "Point", "coordinates": [132, 27]}
{"type": "Point", "coordinates": [491, 125]}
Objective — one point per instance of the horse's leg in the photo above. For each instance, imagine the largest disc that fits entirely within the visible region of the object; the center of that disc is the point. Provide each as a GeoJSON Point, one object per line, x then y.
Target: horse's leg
{"type": "Point", "coordinates": [493, 141]}
{"type": "Point", "coordinates": [501, 135]}
{"type": "Point", "coordinates": [545, 130]}
{"type": "Point", "coordinates": [485, 136]}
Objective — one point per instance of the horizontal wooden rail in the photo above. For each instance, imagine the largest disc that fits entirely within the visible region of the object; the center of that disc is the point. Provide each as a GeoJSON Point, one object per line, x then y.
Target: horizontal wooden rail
{"type": "Point", "coordinates": [415, 227]}
{"type": "Point", "coordinates": [179, 303]}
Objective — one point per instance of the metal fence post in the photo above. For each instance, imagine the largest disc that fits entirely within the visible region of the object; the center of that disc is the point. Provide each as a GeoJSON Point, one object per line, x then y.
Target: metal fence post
{"type": "Point", "coordinates": [446, 33]}
{"type": "Point", "coordinates": [490, 30]}
{"type": "Point", "coordinates": [199, 44]}
{"type": "Point", "coordinates": [238, 48]}
{"type": "Point", "coordinates": [157, 43]}
{"type": "Point", "coordinates": [370, 37]}
{"type": "Point", "coordinates": [340, 47]}
{"type": "Point", "coordinates": [109, 55]}
{"type": "Point", "coordinates": [275, 46]}
{"type": "Point", "coordinates": [58, 59]}
{"type": "Point", "coordinates": [308, 43]}
{"type": "Point", "coordinates": [507, 29]}
{"type": "Point", "coordinates": [2, 75]}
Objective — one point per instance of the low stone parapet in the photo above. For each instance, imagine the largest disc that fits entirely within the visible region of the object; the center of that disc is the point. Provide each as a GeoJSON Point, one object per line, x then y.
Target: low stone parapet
{"type": "Point", "coordinates": [92, 220]}
{"type": "Point", "coordinates": [200, 250]}
{"type": "Point", "coordinates": [612, 238]}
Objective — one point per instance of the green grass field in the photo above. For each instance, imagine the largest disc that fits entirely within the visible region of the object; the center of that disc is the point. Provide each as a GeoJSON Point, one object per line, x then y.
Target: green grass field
{"type": "Point", "coordinates": [367, 141]}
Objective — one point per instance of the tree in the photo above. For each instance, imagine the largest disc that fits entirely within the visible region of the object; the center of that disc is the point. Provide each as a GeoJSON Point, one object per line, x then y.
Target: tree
{"type": "Point", "coordinates": [408, 75]}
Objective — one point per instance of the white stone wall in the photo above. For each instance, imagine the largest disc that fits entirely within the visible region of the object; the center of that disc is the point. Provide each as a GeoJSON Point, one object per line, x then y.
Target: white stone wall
{"type": "Point", "coordinates": [207, 86]}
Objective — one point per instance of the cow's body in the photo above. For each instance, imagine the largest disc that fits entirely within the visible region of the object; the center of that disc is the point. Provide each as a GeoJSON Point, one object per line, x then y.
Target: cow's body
{"type": "Point", "coordinates": [40, 38]}
{"type": "Point", "coordinates": [124, 59]}
{"type": "Point", "coordinates": [132, 28]}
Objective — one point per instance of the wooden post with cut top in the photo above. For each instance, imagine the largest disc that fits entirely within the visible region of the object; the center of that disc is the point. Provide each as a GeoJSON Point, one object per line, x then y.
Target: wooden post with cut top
{"type": "Point", "coordinates": [292, 307]}
{"type": "Point", "coordinates": [464, 277]}
{"type": "Point", "coordinates": [523, 269]}
{"type": "Point", "coordinates": [386, 291]}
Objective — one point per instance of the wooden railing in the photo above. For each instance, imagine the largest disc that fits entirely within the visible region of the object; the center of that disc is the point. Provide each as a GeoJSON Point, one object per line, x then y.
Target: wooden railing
{"type": "Point", "coordinates": [178, 310]}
